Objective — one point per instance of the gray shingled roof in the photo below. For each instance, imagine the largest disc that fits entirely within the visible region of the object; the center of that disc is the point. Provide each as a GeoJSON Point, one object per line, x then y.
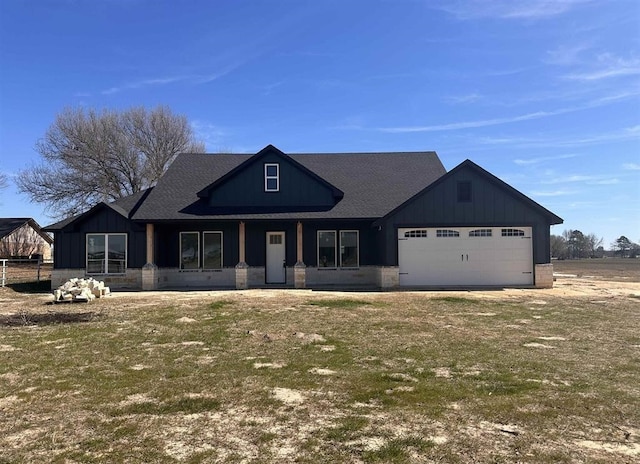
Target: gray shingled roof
{"type": "Point", "coordinates": [123, 206]}
{"type": "Point", "coordinates": [373, 184]}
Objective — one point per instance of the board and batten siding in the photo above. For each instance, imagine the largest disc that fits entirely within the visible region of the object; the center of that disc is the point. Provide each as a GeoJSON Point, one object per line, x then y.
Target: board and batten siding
{"type": "Point", "coordinates": [297, 188]}
{"type": "Point", "coordinates": [490, 205]}
{"type": "Point", "coordinates": [70, 243]}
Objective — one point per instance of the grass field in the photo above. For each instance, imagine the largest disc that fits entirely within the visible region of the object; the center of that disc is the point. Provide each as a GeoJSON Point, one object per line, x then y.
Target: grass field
{"type": "Point", "coordinates": [317, 377]}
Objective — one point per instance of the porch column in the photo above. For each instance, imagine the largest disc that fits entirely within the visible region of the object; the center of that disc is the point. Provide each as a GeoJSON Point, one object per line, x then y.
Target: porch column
{"type": "Point", "coordinates": [150, 270]}
{"type": "Point", "coordinates": [299, 269]}
{"type": "Point", "coordinates": [242, 269]}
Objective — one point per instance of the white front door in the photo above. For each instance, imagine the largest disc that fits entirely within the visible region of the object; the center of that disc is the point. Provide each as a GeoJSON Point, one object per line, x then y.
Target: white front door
{"type": "Point", "coordinates": [276, 270]}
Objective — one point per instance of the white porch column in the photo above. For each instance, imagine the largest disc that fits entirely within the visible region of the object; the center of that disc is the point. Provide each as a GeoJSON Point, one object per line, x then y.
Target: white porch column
{"type": "Point", "coordinates": [299, 269]}
{"type": "Point", "coordinates": [150, 270]}
{"type": "Point", "coordinates": [242, 269]}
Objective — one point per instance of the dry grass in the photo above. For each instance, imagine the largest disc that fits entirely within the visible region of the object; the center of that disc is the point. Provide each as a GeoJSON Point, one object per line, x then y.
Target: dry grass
{"type": "Point", "coordinates": [615, 269]}
{"type": "Point", "coordinates": [315, 377]}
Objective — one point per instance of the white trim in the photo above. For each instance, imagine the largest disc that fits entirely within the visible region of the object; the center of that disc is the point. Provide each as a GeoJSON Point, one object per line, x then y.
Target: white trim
{"type": "Point", "coordinates": [105, 264]}
{"type": "Point", "coordinates": [335, 249]}
{"type": "Point", "coordinates": [180, 250]}
{"type": "Point", "coordinates": [204, 233]}
{"type": "Point", "coordinates": [357, 249]}
{"type": "Point", "coordinates": [268, 177]}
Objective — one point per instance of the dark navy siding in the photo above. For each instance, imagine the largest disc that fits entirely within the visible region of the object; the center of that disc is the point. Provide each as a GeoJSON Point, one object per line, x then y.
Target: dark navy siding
{"type": "Point", "coordinates": [490, 205]}
{"type": "Point", "coordinates": [70, 243]}
{"type": "Point", "coordinates": [368, 237]}
{"type": "Point", "coordinates": [298, 190]}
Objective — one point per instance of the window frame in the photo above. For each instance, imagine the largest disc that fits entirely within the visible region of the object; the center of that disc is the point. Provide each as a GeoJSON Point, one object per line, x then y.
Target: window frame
{"type": "Point", "coordinates": [512, 232]}
{"type": "Point", "coordinates": [481, 233]}
{"type": "Point", "coordinates": [335, 249]}
{"type": "Point", "coordinates": [213, 232]}
{"type": "Point", "coordinates": [267, 177]}
{"type": "Point", "coordinates": [180, 263]}
{"type": "Point", "coordinates": [357, 232]}
{"type": "Point", "coordinates": [105, 260]}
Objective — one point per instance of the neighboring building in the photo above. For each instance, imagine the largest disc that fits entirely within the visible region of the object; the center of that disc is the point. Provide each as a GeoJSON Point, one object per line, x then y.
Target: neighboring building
{"type": "Point", "coordinates": [23, 238]}
{"type": "Point", "coordinates": [381, 220]}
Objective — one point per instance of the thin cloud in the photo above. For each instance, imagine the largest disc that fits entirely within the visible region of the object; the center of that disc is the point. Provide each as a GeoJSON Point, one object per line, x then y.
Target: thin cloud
{"type": "Point", "coordinates": [607, 66]}
{"type": "Point", "coordinates": [508, 9]}
{"type": "Point", "coordinates": [553, 193]}
{"type": "Point", "coordinates": [542, 159]}
{"type": "Point", "coordinates": [460, 99]}
{"type": "Point", "coordinates": [513, 119]}
{"type": "Point", "coordinates": [631, 166]}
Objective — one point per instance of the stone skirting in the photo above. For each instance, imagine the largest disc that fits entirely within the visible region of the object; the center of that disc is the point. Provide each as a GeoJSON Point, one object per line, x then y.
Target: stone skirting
{"type": "Point", "coordinates": [543, 275]}
{"type": "Point", "coordinates": [388, 277]}
{"type": "Point", "coordinates": [131, 280]}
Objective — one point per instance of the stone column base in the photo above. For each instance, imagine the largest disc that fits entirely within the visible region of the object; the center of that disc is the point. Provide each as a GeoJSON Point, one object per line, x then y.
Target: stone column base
{"type": "Point", "coordinates": [543, 275]}
{"type": "Point", "coordinates": [300, 275]}
{"type": "Point", "coordinates": [388, 277]}
{"type": "Point", "coordinates": [149, 274]}
{"type": "Point", "coordinates": [242, 276]}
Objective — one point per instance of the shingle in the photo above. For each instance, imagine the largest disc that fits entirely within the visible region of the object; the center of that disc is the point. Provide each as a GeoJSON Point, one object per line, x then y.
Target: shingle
{"type": "Point", "coordinates": [373, 183]}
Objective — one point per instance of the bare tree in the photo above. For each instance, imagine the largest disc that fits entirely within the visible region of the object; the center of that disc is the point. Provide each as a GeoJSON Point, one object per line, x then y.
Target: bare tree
{"type": "Point", "coordinates": [4, 183]}
{"type": "Point", "coordinates": [90, 157]}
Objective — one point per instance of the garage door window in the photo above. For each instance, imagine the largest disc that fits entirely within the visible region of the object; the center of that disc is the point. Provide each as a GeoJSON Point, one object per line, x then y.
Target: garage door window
{"type": "Point", "coordinates": [447, 233]}
{"type": "Point", "coordinates": [416, 233]}
{"type": "Point", "coordinates": [480, 233]}
{"type": "Point", "coordinates": [512, 233]}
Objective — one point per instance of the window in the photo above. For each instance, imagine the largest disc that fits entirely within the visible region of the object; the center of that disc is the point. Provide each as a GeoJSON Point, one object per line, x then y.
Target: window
{"type": "Point", "coordinates": [326, 248]}
{"type": "Point", "coordinates": [189, 250]}
{"type": "Point", "coordinates": [349, 248]}
{"type": "Point", "coordinates": [447, 233]}
{"type": "Point", "coordinates": [464, 191]}
{"type": "Point", "coordinates": [271, 177]}
{"type": "Point", "coordinates": [106, 253]}
{"type": "Point", "coordinates": [480, 233]}
{"type": "Point", "coordinates": [212, 250]}
{"type": "Point", "coordinates": [275, 239]}
{"type": "Point", "coordinates": [416, 233]}
{"type": "Point", "coordinates": [512, 233]}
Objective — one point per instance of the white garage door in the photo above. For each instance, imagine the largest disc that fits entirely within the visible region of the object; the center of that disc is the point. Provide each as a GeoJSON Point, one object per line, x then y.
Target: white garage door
{"type": "Point", "coordinates": [465, 256]}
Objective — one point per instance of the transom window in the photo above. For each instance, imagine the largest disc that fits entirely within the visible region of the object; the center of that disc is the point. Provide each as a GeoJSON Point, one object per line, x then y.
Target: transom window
{"type": "Point", "coordinates": [447, 233]}
{"type": "Point", "coordinates": [211, 257]}
{"type": "Point", "coordinates": [512, 233]}
{"type": "Point", "coordinates": [416, 233]}
{"type": "Point", "coordinates": [271, 177]}
{"type": "Point", "coordinates": [480, 233]}
{"type": "Point", "coordinates": [275, 239]}
{"type": "Point", "coordinates": [106, 253]}
{"type": "Point", "coordinates": [349, 248]}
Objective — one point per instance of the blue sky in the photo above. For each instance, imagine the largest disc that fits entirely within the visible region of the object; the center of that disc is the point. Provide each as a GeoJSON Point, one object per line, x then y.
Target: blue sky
{"type": "Point", "coordinates": [545, 94]}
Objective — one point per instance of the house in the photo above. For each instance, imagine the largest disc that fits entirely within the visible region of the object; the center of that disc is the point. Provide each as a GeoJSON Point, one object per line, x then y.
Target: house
{"type": "Point", "coordinates": [381, 220]}
{"type": "Point", "coordinates": [23, 237]}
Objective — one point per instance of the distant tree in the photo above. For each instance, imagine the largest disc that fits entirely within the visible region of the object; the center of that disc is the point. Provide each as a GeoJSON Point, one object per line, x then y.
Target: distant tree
{"type": "Point", "coordinates": [90, 156]}
{"type": "Point", "coordinates": [577, 246]}
{"type": "Point", "coordinates": [634, 252]}
{"type": "Point", "coordinates": [592, 243]}
{"type": "Point", "coordinates": [622, 245]}
{"type": "Point", "coordinates": [559, 247]}
{"type": "Point", "coordinates": [4, 183]}
{"type": "Point", "coordinates": [23, 242]}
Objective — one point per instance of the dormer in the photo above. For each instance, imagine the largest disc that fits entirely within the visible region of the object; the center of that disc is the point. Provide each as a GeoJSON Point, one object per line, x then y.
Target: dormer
{"type": "Point", "coordinates": [271, 181]}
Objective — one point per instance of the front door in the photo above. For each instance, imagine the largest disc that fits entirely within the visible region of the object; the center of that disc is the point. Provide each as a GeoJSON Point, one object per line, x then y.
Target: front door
{"type": "Point", "coordinates": [276, 271]}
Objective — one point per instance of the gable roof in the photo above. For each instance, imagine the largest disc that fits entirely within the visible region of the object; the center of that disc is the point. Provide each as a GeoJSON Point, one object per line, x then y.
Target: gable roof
{"type": "Point", "coordinates": [269, 149]}
{"type": "Point", "coordinates": [372, 183]}
{"type": "Point", "coordinates": [123, 206]}
{"type": "Point", "coordinates": [9, 225]}
{"type": "Point", "coordinates": [468, 164]}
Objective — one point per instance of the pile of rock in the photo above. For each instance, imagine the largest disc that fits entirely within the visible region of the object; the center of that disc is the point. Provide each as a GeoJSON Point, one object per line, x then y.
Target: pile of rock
{"type": "Point", "coordinates": [80, 290]}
